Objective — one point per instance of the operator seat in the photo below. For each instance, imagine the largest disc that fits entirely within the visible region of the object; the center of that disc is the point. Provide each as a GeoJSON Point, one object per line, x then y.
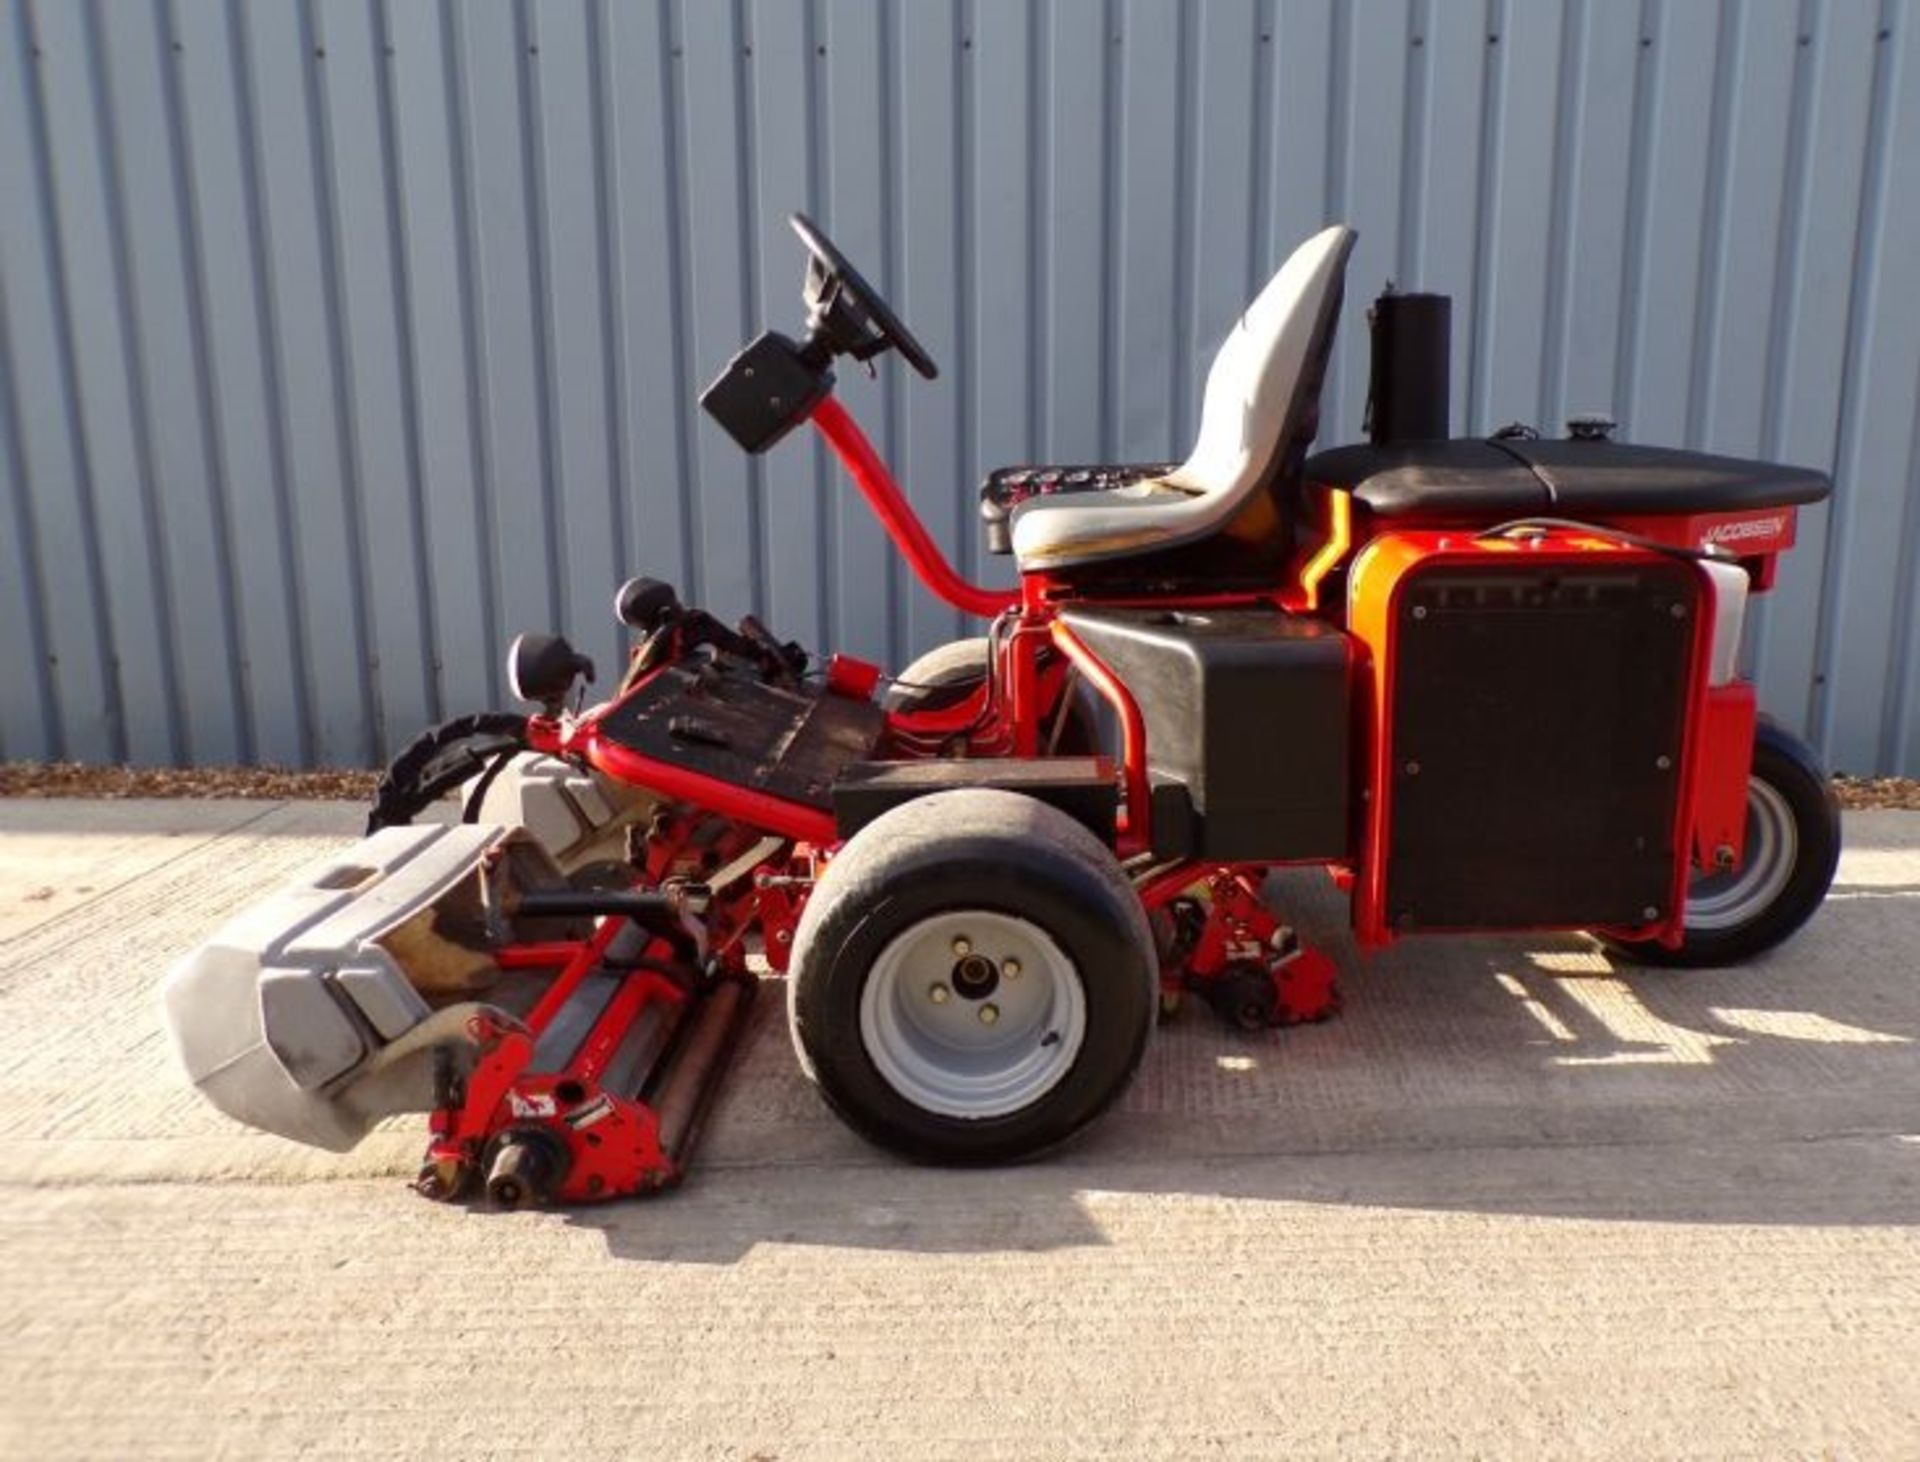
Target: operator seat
{"type": "Point", "coordinates": [1261, 411]}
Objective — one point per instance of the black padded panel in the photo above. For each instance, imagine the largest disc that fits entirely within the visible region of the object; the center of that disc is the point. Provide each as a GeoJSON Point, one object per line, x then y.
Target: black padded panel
{"type": "Point", "coordinates": [1463, 475]}
{"type": "Point", "coordinates": [1513, 478]}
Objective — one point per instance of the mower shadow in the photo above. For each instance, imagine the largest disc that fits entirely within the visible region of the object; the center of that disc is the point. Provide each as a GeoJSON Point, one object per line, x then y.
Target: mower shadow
{"type": "Point", "coordinates": [1523, 1077]}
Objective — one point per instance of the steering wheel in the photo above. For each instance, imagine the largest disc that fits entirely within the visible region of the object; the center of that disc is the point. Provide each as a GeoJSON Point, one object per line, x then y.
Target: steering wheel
{"type": "Point", "coordinates": [848, 310]}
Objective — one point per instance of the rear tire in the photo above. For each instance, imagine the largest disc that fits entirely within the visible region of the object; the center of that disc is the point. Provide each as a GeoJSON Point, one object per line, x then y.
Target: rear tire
{"type": "Point", "coordinates": [944, 675]}
{"type": "Point", "coordinates": [946, 907]}
{"type": "Point", "coordinates": [1792, 848]}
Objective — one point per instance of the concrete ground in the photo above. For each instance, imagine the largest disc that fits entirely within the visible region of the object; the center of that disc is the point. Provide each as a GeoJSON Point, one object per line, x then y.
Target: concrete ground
{"type": "Point", "coordinates": [1513, 1202]}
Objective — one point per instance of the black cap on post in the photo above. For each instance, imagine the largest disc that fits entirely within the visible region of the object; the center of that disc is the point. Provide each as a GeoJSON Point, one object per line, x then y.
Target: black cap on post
{"type": "Point", "coordinates": [1409, 399]}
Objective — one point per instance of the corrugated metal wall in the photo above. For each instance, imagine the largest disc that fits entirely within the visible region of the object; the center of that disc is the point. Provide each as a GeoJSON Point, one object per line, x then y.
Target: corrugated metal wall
{"type": "Point", "coordinates": [341, 340]}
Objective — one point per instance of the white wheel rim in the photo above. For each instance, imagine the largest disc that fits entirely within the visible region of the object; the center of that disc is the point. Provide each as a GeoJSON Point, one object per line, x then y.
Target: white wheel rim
{"type": "Point", "coordinates": [1717, 901]}
{"type": "Point", "coordinates": [957, 1043]}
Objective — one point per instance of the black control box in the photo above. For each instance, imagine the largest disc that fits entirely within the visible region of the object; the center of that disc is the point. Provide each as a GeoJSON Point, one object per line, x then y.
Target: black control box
{"type": "Point", "coordinates": [766, 390]}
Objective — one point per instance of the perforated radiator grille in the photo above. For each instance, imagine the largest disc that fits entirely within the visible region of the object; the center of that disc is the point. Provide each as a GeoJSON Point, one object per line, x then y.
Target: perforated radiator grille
{"type": "Point", "coordinates": [1536, 732]}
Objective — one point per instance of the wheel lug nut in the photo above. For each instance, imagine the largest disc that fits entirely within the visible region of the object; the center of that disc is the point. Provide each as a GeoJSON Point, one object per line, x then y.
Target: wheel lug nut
{"type": "Point", "coordinates": [963, 946]}
{"type": "Point", "coordinates": [989, 1013]}
{"type": "Point", "coordinates": [1010, 968]}
{"type": "Point", "coordinates": [939, 994]}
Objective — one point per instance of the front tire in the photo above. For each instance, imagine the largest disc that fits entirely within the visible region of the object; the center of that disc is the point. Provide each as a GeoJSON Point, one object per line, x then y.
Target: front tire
{"type": "Point", "coordinates": [1792, 849]}
{"type": "Point", "coordinates": [973, 980]}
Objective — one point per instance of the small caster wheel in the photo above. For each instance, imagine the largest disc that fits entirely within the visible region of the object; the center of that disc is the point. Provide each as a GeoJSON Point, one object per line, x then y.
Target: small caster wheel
{"type": "Point", "coordinates": [525, 1166]}
{"type": "Point", "coordinates": [1169, 1005]}
{"type": "Point", "coordinates": [1243, 996]}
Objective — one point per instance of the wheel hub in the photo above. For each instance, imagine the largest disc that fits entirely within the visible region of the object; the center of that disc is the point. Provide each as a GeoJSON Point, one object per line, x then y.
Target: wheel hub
{"type": "Point", "coordinates": [975, 977]}
{"type": "Point", "coordinates": [1726, 899]}
{"type": "Point", "coordinates": [979, 1036]}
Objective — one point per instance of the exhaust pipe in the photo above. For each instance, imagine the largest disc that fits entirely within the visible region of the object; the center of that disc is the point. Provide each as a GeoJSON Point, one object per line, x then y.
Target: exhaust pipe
{"type": "Point", "coordinates": [1410, 391]}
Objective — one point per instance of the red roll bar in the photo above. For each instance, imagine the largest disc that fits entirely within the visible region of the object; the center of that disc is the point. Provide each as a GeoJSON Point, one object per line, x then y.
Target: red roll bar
{"type": "Point", "coordinates": [896, 515]}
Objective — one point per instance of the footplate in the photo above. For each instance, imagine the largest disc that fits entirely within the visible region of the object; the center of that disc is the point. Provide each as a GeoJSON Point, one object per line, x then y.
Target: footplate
{"type": "Point", "coordinates": [720, 719]}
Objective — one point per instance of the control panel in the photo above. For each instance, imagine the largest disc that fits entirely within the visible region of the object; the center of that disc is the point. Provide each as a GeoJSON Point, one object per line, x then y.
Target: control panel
{"type": "Point", "coordinates": [1006, 489]}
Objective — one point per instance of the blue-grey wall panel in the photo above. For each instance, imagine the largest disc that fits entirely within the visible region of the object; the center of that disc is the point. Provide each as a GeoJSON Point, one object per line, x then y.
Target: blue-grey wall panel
{"type": "Point", "coordinates": [55, 626]}
{"type": "Point", "coordinates": [341, 339]}
{"type": "Point", "coordinates": [279, 74]}
{"type": "Point", "coordinates": [92, 386]}
{"type": "Point", "coordinates": [245, 452]}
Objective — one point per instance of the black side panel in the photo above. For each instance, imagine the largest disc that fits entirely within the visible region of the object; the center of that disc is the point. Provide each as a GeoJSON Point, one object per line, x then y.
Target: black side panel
{"type": "Point", "coordinates": [1247, 715]}
{"type": "Point", "coordinates": [722, 721]}
{"type": "Point", "coordinates": [1537, 724]}
{"type": "Point", "coordinates": [1083, 787]}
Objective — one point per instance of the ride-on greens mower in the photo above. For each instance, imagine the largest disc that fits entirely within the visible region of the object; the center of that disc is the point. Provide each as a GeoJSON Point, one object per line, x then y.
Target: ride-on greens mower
{"type": "Point", "coordinates": [1488, 684]}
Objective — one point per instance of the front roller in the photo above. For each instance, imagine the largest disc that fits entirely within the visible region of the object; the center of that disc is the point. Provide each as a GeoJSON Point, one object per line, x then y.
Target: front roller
{"type": "Point", "coordinates": [973, 980]}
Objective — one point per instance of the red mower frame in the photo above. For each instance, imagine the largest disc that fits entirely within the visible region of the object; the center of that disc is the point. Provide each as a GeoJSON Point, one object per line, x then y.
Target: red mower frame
{"type": "Point", "coordinates": [1010, 713]}
{"type": "Point", "coordinates": [954, 875]}
{"type": "Point", "coordinates": [623, 1145]}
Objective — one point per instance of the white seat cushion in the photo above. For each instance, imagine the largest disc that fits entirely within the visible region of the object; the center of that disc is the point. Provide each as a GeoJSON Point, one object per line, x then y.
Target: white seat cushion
{"type": "Point", "coordinates": [1262, 380]}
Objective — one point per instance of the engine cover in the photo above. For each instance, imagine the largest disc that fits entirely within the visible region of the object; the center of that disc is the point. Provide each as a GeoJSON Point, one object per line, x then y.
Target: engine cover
{"type": "Point", "coordinates": [1530, 724]}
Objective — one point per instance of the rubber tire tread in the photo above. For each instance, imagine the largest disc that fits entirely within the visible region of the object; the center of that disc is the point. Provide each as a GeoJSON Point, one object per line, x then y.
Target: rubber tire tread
{"type": "Point", "coordinates": [971, 849]}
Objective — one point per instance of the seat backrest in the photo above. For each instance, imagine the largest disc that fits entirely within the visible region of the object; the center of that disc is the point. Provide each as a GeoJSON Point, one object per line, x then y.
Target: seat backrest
{"type": "Point", "coordinates": [1264, 388]}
